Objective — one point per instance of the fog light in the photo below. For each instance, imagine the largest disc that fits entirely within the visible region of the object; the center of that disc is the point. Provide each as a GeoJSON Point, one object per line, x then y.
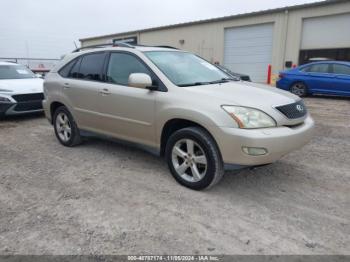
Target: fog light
{"type": "Point", "coordinates": [254, 151]}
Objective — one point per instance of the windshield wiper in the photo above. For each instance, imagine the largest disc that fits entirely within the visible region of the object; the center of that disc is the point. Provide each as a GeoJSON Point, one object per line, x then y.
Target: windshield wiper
{"type": "Point", "coordinates": [195, 84]}
{"type": "Point", "coordinates": [222, 80]}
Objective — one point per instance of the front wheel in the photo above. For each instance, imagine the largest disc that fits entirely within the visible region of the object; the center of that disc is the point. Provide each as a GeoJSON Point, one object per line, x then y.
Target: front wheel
{"type": "Point", "coordinates": [299, 89]}
{"type": "Point", "coordinates": [193, 158]}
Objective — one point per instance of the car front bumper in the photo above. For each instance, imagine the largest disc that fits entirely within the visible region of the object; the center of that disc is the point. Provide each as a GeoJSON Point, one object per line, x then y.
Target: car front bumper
{"type": "Point", "coordinates": [4, 107]}
{"type": "Point", "coordinates": [12, 108]}
{"type": "Point", "coordinates": [277, 141]}
{"type": "Point", "coordinates": [47, 110]}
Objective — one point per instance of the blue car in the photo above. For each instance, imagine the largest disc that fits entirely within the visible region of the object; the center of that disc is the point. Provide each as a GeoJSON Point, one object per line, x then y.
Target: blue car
{"type": "Point", "coordinates": [327, 78]}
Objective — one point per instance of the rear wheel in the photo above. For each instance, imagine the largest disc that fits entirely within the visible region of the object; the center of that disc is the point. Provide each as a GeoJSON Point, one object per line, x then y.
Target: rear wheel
{"type": "Point", "coordinates": [299, 89]}
{"type": "Point", "coordinates": [194, 159]}
{"type": "Point", "coordinates": [66, 129]}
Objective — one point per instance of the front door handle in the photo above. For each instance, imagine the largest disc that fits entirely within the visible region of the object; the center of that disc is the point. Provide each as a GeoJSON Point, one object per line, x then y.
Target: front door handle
{"type": "Point", "coordinates": [66, 85]}
{"type": "Point", "coordinates": [104, 92]}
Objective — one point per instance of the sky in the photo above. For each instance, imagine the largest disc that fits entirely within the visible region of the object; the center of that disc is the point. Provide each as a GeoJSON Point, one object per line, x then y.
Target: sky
{"type": "Point", "coordinates": [48, 28]}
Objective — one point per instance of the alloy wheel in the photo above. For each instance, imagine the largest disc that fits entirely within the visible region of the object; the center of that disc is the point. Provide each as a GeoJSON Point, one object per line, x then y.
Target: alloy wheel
{"type": "Point", "coordinates": [63, 127]}
{"type": "Point", "coordinates": [299, 89]}
{"type": "Point", "coordinates": [189, 160]}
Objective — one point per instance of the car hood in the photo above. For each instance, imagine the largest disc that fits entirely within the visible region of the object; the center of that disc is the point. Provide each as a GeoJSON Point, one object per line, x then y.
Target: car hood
{"type": "Point", "coordinates": [21, 86]}
{"type": "Point", "coordinates": [259, 96]}
{"type": "Point", "coordinates": [246, 94]}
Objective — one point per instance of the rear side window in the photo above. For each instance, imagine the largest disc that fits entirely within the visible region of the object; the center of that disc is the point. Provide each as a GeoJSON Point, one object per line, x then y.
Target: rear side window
{"type": "Point", "coordinates": [341, 69]}
{"type": "Point", "coordinates": [120, 67]}
{"type": "Point", "coordinates": [74, 72]}
{"type": "Point", "coordinates": [64, 72]}
{"type": "Point", "coordinates": [319, 68]}
{"type": "Point", "coordinates": [92, 66]}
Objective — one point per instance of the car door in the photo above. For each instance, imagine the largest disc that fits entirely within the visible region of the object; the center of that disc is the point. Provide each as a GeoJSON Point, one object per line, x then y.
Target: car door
{"type": "Point", "coordinates": [342, 79]}
{"type": "Point", "coordinates": [319, 78]}
{"type": "Point", "coordinates": [127, 112]}
{"type": "Point", "coordinates": [82, 87]}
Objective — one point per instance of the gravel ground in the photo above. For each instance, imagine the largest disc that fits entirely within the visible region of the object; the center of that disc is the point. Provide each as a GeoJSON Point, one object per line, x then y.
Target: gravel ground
{"type": "Point", "coordinates": [106, 198]}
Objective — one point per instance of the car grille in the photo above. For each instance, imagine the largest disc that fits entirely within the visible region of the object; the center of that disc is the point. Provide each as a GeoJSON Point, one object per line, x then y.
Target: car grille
{"type": "Point", "coordinates": [28, 106]}
{"type": "Point", "coordinates": [28, 102]}
{"type": "Point", "coordinates": [293, 111]}
{"type": "Point", "coordinates": [29, 97]}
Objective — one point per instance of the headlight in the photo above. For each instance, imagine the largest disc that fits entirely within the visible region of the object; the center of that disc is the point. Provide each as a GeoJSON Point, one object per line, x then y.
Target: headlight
{"type": "Point", "coordinates": [249, 117]}
{"type": "Point", "coordinates": [4, 99]}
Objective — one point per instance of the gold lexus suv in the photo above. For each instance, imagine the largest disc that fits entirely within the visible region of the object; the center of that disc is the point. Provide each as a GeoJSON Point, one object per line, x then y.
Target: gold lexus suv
{"type": "Point", "coordinates": [177, 105]}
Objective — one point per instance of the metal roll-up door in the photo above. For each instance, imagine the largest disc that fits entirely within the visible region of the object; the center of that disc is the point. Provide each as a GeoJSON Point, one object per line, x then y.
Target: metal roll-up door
{"type": "Point", "coordinates": [248, 50]}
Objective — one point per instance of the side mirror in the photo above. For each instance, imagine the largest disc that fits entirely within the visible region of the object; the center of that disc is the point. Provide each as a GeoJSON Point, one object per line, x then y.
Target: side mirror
{"type": "Point", "coordinates": [140, 80]}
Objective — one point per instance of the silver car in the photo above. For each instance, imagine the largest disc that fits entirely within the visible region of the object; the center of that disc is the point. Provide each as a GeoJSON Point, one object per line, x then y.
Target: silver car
{"type": "Point", "coordinates": [176, 104]}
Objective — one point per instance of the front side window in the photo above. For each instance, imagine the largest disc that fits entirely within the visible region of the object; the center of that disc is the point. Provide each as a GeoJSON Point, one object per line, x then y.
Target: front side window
{"type": "Point", "coordinates": [305, 69]}
{"type": "Point", "coordinates": [15, 72]}
{"type": "Point", "coordinates": [121, 66]}
{"type": "Point", "coordinates": [91, 67]}
{"type": "Point", "coordinates": [341, 69]}
{"type": "Point", "coordinates": [186, 69]}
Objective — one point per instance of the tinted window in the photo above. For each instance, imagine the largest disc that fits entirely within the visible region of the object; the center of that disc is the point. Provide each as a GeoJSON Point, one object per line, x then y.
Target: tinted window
{"type": "Point", "coordinates": [121, 66]}
{"type": "Point", "coordinates": [74, 72]}
{"type": "Point", "coordinates": [341, 69]}
{"type": "Point", "coordinates": [319, 68]}
{"type": "Point", "coordinates": [91, 67]}
{"type": "Point", "coordinates": [305, 69]}
{"type": "Point", "coordinates": [64, 72]}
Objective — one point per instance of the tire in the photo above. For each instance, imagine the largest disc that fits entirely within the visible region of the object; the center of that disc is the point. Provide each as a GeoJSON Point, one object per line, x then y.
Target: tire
{"type": "Point", "coordinates": [299, 89]}
{"type": "Point", "coordinates": [66, 129]}
{"type": "Point", "coordinates": [198, 168]}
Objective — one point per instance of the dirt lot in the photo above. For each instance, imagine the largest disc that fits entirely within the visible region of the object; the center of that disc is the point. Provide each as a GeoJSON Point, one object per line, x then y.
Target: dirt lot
{"type": "Point", "coordinates": [105, 198]}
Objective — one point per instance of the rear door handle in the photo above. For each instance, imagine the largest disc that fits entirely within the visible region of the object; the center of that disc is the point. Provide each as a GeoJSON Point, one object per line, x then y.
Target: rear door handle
{"type": "Point", "coordinates": [104, 91]}
{"type": "Point", "coordinates": [66, 85]}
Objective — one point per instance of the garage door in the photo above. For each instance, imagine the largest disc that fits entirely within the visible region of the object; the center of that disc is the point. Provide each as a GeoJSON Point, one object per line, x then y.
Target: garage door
{"type": "Point", "coordinates": [248, 50]}
{"type": "Point", "coordinates": [326, 32]}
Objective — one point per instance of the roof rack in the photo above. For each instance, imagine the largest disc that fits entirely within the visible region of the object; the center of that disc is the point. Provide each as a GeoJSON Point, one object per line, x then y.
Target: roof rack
{"type": "Point", "coordinates": [91, 46]}
{"type": "Point", "coordinates": [166, 46]}
{"type": "Point", "coordinates": [119, 44]}
{"type": "Point", "coordinates": [115, 44]}
{"type": "Point", "coordinates": [123, 44]}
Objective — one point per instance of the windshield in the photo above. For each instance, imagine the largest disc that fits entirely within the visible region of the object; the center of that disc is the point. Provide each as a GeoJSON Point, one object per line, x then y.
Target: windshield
{"type": "Point", "coordinates": [186, 69]}
{"type": "Point", "coordinates": [15, 72]}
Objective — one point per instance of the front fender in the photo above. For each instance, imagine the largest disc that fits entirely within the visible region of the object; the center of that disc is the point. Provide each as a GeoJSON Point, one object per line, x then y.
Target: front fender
{"type": "Point", "coordinates": [210, 121]}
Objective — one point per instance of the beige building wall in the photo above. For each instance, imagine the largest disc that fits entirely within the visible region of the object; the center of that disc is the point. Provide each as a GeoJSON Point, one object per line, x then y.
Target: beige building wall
{"type": "Point", "coordinates": [207, 39]}
{"type": "Point", "coordinates": [295, 25]}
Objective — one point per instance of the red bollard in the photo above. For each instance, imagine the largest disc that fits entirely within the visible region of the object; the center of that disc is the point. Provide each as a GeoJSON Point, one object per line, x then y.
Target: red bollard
{"type": "Point", "coordinates": [269, 72]}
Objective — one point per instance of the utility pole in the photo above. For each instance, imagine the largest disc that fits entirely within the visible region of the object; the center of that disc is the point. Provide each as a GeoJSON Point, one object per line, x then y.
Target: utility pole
{"type": "Point", "coordinates": [27, 51]}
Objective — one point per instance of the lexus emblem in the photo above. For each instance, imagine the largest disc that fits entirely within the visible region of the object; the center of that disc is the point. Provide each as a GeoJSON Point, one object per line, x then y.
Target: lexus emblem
{"type": "Point", "coordinates": [300, 108]}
